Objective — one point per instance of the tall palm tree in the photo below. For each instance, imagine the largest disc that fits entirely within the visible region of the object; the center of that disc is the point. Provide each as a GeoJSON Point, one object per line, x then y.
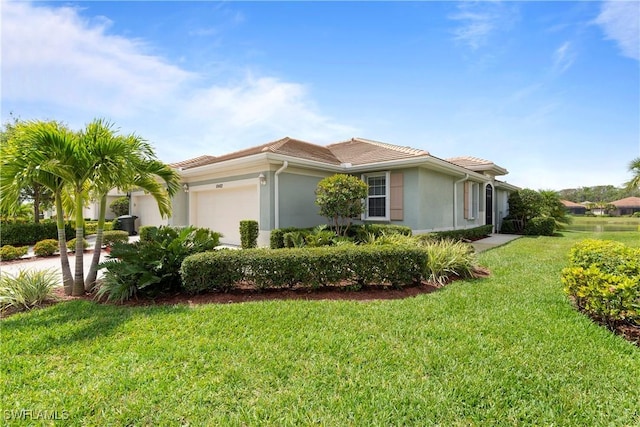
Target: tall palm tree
{"type": "Point", "coordinates": [32, 155]}
{"type": "Point", "coordinates": [634, 168]}
{"type": "Point", "coordinates": [125, 162]}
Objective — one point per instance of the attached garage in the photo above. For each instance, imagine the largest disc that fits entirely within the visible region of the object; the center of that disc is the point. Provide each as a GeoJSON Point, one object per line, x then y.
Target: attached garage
{"type": "Point", "coordinates": [221, 207]}
{"type": "Point", "coordinates": [145, 207]}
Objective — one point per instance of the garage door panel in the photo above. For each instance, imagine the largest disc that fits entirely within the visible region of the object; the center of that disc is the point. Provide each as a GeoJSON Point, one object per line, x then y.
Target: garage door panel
{"type": "Point", "coordinates": [222, 210]}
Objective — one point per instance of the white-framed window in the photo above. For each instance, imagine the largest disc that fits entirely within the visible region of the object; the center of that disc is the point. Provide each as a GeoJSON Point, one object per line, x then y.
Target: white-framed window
{"type": "Point", "coordinates": [377, 203]}
{"type": "Point", "coordinates": [471, 200]}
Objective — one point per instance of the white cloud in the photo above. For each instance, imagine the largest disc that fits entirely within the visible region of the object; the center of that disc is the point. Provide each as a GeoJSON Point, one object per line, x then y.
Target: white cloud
{"type": "Point", "coordinates": [563, 58]}
{"type": "Point", "coordinates": [55, 60]}
{"type": "Point", "coordinates": [620, 21]}
{"type": "Point", "coordinates": [479, 20]}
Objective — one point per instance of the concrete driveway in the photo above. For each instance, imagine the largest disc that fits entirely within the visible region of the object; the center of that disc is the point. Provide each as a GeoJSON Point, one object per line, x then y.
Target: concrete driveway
{"type": "Point", "coordinates": [31, 262]}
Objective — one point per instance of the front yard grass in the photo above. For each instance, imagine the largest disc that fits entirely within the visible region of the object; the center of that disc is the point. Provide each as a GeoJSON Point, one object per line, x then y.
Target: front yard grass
{"type": "Point", "coordinates": [506, 350]}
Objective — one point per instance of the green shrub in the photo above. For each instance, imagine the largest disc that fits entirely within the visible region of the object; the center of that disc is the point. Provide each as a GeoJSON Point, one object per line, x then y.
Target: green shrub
{"type": "Point", "coordinates": [152, 266]}
{"type": "Point", "coordinates": [540, 226]}
{"type": "Point", "coordinates": [120, 206]}
{"type": "Point", "coordinates": [312, 267]}
{"type": "Point", "coordinates": [46, 247]}
{"type": "Point", "coordinates": [91, 227]}
{"type": "Point", "coordinates": [249, 234]}
{"type": "Point", "coordinates": [19, 234]}
{"type": "Point", "coordinates": [511, 226]}
{"type": "Point", "coordinates": [109, 238]}
{"type": "Point", "coordinates": [276, 241]}
{"type": "Point", "coordinates": [147, 232]}
{"type": "Point", "coordinates": [636, 214]}
{"type": "Point", "coordinates": [603, 278]}
{"type": "Point", "coordinates": [474, 233]}
{"type": "Point", "coordinates": [9, 252]}
{"type": "Point", "coordinates": [449, 258]}
{"type": "Point", "coordinates": [71, 245]}
{"type": "Point", "coordinates": [363, 232]}
{"type": "Point", "coordinates": [27, 289]}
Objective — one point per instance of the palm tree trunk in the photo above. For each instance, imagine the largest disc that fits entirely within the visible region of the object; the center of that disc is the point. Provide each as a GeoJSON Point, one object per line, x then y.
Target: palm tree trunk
{"type": "Point", "coordinates": [78, 280]}
{"type": "Point", "coordinates": [67, 279]}
{"type": "Point", "coordinates": [90, 282]}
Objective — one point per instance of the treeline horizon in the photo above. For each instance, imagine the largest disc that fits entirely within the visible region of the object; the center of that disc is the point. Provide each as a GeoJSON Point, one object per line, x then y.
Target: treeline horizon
{"type": "Point", "coordinates": [597, 194]}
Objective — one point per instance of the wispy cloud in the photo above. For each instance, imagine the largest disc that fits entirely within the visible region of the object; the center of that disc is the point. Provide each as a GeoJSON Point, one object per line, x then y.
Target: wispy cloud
{"type": "Point", "coordinates": [563, 57]}
{"type": "Point", "coordinates": [620, 21]}
{"type": "Point", "coordinates": [479, 20]}
{"type": "Point", "coordinates": [74, 69]}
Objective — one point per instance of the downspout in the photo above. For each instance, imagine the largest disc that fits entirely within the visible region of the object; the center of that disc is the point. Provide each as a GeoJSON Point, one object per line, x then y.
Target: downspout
{"type": "Point", "coordinates": [277, 194]}
{"type": "Point", "coordinates": [455, 200]}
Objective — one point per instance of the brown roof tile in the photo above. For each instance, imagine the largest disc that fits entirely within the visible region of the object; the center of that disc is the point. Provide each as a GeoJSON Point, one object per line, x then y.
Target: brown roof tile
{"type": "Point", "coordinates": [192, 163]}
{"type": "Point", "coordinates": [285, 146]}
{"type": "Point", "coordinates": [627, 202]}
{"type": "Point", "coordinates": [359, 151]}
{"type": "Point", "coordinates": [570, 204]}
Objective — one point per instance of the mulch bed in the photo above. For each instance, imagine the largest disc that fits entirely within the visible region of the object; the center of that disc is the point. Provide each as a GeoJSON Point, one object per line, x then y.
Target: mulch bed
{"type": "Point", "coordinates": [247, 294]}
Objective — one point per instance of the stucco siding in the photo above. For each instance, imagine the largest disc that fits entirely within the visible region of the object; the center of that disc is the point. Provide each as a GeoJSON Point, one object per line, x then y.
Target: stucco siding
{"type": "Point", "coordinates": [435, 200]}
{"type": "Point", "coordinates": [297, 201]}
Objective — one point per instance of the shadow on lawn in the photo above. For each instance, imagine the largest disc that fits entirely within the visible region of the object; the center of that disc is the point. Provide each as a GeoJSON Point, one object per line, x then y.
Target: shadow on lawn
{"type": "Point", "coordinates": [83, 321]}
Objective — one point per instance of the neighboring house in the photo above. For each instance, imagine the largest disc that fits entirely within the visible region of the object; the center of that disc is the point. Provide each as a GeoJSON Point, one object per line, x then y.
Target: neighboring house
{"type": "Point", "coordinates": [92, 210]}
{"type": "Point", "coordinates": [626, 206]}
{"type": "Point", "coordinates": [275, 184]}
{"type": "Point", "coordinates": [574, 208]}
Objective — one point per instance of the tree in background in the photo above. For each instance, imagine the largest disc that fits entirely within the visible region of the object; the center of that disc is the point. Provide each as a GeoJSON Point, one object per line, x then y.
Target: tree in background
{"type": "Point", "coordinates": [341, 198]}
{"type": "Point", "coordinates": [634, 168]}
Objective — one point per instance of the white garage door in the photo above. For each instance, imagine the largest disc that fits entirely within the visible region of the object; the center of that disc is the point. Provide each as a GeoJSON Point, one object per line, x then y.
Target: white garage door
{"type": "Point", "coordinates": [146, 209]}
{"type": "Point", "coordinates": [222, 210]}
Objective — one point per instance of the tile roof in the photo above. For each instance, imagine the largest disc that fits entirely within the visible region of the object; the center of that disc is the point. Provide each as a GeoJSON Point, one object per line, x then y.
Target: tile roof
{"type": "Point", "coordinates": [627, 202]}
{"type": "Point", "coordinates": [286, 146]}
{"type": "Point", "coordinates": [570, 204]}
{"type": "Point", "coordinates": [192, 163]}
{"type": "Point", "coordinates": [477, 164]}
{"type": "Point", "coordinates": [360, 151]}
{"type": "Point", "coordinates": [355, 151]}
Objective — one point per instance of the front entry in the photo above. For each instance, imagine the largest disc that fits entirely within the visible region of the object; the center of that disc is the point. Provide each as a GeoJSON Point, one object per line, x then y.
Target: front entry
{"type": "Point", "coordinates": [489, 205]}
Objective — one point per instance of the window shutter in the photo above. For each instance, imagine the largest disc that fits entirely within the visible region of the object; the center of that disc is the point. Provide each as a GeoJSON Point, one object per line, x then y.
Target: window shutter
{"type": "Point", "coordinates": [397, 196]}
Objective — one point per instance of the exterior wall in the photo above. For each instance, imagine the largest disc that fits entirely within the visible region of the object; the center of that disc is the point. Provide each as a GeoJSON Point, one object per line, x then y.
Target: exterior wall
{"type": "Point", "coordinates": [297, 200]}
{"type": "Point", "coordinates": [435, 202]}
{"type": "Point", "coordinates": [179, 209]}
{"type": "Point", "coordinates": [502, 206]}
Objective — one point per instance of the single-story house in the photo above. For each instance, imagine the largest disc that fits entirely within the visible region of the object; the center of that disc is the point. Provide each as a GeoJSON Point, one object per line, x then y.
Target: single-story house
{"type": "Point", "coordinates": [275, 184]}
{"type": "Point", "coordinates": [92, 210]}
{"type": "Point", "coordinates": [574, 208]}
{"type": "Point", "coordinates": [626, 206]}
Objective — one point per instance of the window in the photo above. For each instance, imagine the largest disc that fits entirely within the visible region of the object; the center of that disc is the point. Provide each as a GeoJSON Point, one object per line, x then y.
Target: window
{"type": "Point", "coordinates": [471, 200]}
{"type": "Point", "coordinates": [377, 203]}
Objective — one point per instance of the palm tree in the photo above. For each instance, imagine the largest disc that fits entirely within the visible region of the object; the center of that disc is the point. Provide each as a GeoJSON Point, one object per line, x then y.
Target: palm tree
{"type": "Point", "coordinates": [124, 162]}
{"type": "Point", "coordinates": [634, 168]}
{"type": "Point", "coordinates": [31, 156]}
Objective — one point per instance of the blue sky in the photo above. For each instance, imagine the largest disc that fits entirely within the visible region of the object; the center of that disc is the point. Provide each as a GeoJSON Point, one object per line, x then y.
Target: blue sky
{"type": "Point", "coordinates": [548, 90]}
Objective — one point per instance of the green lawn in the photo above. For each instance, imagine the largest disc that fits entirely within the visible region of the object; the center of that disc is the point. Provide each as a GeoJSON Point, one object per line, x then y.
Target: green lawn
{"type": "Point", "coordinates": [507, 350]}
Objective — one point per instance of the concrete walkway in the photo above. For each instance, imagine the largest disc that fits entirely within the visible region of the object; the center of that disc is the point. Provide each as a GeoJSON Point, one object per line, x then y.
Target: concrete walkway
{"type": "Point", "coordinates": [493, 241]}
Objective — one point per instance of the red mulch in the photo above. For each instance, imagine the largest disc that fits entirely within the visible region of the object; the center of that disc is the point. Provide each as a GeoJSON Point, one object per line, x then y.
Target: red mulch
{"type": "Point", "coordinates": [246, 294]}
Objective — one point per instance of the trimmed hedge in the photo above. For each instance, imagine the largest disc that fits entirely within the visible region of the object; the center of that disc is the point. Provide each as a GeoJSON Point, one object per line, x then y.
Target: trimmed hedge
{"type": "Point", "coordinates": [603, 278]}
{"type": "Point", "coordinates": [540, 226]}
{"type": "Point", "coordinates": [249, 233]}
{"type": "Point", "coordinates": [46, 247]}
{"type": "Point", "coordinates": [30, 233]}
{"type": "Point", "coordinates": [359, 233]}
{"type": "Point", "coordinates": [474, 233]}
{"type": "Point", "coordinates": [109, 238]}
{"type": "Point", "coordinates": [9, 252]}
{"type": "Point", "coordinates": [312, 267]}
